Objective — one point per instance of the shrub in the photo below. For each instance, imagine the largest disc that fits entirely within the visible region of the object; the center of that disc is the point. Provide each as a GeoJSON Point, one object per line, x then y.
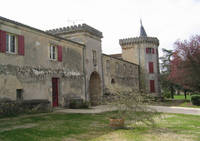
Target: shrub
{"type": "Point", "coordinates": [195, 100]}
{"type": "Point", "coordinates": [166, 95]}
{"type": "Point", "coordinates": [78, 103]}
{"type": "Point", "coordinates": [130, 104]}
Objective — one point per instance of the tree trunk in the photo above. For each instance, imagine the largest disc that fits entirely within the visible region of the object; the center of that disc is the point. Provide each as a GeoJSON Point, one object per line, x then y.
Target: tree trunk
{"type": "Point", "coordinates": [178, 92]}
{"type": "Point", "coordinates": [172, 92]}
{"type": "Point", "coordinates": [185, 94]}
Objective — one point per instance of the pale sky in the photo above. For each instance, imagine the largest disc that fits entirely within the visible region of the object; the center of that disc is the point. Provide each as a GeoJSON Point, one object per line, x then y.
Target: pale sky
{"type": "Point", "coordinates": [168, 20]}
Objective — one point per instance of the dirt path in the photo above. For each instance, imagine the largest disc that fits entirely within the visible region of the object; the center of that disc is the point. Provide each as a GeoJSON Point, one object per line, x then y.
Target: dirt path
{"type": "Point", "coordinates": [104, 108]}
{"type": "Point", "coordinates": [30, 125]}
{"type": "Point", "coordinates": [177, 110]}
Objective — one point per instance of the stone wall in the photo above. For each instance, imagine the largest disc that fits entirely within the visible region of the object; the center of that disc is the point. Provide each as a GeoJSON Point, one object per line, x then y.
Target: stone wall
{"type": "Point", "coordinates": [119, 74]}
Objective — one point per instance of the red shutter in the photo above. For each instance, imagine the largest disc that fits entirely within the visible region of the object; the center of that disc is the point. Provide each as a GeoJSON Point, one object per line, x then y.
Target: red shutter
{"type": "Point", "coordinates": [151, 67]}
{"type": "Point", "coordinates": [59, 53]}
{"type": "Point", "coordinates": [152, 86]}
{"type": "Point", "coordinates": [147, 50]}
{"type": "Point", "coordinates": [153, 50]}
{"type": "Point", "coordinates": [20, 45]}
{"type": "Point", "coordinates": [2, 41]}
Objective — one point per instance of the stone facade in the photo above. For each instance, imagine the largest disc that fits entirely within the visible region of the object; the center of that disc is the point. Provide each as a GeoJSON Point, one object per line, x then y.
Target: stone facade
{"type": "Point", "coordinates": [82, 72]}
{"type": "Point", "coordinates": [119, 74]}
{"type": "Point", "coordinates": [34, 71]}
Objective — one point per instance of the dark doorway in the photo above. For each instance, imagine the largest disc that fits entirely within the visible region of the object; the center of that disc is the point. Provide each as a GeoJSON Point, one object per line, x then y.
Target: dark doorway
{"type": "Point", "coordinates": [55, 91]}
{"type": "Point", "coordinates": [95, 89]}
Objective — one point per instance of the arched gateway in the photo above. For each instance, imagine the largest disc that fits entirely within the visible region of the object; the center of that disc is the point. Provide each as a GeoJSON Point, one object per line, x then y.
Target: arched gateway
{"type": "Point", "coordinates": [95, 89]}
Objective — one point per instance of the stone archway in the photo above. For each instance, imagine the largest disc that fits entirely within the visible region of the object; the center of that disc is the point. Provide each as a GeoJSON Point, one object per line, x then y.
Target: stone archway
{"type": "Point", "coordinates": [95, 89]}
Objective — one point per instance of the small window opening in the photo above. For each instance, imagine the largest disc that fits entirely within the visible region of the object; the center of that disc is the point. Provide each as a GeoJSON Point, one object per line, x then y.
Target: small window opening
{"type": "Point", "coordinates": [19, 94]}
{"type": "Point", "coordinates": [112, 81]}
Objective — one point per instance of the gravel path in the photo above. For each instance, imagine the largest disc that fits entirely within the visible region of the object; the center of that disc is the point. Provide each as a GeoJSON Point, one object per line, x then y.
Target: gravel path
{"type": "Point", "coordinates": [104, 108]}
{"type": "Point", "coordinates": [177, 110]}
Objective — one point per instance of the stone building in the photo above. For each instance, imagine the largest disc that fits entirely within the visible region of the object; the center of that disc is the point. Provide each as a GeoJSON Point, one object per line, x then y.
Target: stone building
{"type": "Point", "coordinates": [143, 50]}
{"type": "Point", "coordinates": [65, 63]}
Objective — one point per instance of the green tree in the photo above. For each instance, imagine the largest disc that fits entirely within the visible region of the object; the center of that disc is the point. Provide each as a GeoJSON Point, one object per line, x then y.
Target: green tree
{"type": "Point", "coordinates": [166, 84]}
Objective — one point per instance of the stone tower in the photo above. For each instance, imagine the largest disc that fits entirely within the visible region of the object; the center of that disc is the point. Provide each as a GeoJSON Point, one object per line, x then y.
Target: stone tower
{"type": "Point", "coordinates": [143, 50]}
{"type": "Point", "coordinates": [91, 38]}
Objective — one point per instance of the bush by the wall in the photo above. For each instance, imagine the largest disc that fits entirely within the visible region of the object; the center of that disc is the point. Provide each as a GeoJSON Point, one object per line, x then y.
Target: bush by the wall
{"type": "Point", "coordinates": [166, 94]}
{"type": "Point", "coordinates": [195, 100]}
{"type": "Point", "coordinates": [78, 103]}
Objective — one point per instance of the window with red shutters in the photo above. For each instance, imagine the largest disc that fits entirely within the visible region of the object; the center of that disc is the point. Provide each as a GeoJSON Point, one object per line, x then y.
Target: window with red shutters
{"type": "Point", "coordinates": [2, 41]}
{"type": "Point", "coordinates": [152, 86]}
{"type": "Point", "coordinates": [151, 67]}
{"type": "Point", "coordinates": [147, 50]}
{"type": "Point", "coordinates": [59, 53]}
{"type": "Point", "coordinates": [20, 45]}
{"type": "Point", "coordinates": [150, 50]}
{"type": "Point", "coordinates": [10, 42]}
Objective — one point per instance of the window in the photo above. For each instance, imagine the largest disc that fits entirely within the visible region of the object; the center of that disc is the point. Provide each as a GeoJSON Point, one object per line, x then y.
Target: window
{"type": "Point", "coordinates": [11, 43]}
{"type": "Point", "coordinates": [94, 53]}
{"type": "Point", "coordinates": [117, 70]}
{"type": "Point", "coordinates": [19, 94]}
{"type": "Point", "coordinates": [53, 52]}
{"type": "Point", "coordinates": [107, 66]}
{"type": "Point", "coordinates": [151, 70]}
{"type": "Point", "coordinates": [112, 81]}
{"type": "Point", "coordinates": [150, 50]}
{"type": "Point", "coordinates": [124, 68]}
{"type": "Point", "coordinates": [152, 86]}
{"type": "Point", "coordinates": [131, 70]}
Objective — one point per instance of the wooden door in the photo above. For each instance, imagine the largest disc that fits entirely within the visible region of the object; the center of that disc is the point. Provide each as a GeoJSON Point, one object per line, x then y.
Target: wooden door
{"type": "Point", "coordinates": [55, 92]}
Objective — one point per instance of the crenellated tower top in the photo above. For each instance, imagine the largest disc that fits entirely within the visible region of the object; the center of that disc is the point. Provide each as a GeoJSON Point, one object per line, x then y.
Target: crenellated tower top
{"type": "Point", "coordinates": [136, 40]}
{"type": "Point", "coordinates": [76, 28]}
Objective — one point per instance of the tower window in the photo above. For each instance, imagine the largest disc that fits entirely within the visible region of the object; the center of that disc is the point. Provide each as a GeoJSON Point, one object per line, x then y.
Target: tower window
{"type": "Point", "coordinates": [150, 50]}
{"type": "Point", "coordinates": [94, 53]}
{"type": "Point", "coordinates": [151, 70]}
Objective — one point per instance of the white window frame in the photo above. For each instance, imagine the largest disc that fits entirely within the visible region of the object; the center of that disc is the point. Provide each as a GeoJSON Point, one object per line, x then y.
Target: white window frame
{"type": "Point", "coordinates": [53, 53]}
{"type": "Point", "coordinates": [8, 43]}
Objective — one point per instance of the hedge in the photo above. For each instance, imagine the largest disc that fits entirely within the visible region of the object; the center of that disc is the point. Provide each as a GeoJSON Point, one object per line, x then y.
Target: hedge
{"type": "Point", "coordinates": [195, 100]}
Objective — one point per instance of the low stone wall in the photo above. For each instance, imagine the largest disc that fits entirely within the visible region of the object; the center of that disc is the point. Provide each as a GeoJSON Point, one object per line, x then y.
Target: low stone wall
{"type": "Point", "coordinates": [10, 108]}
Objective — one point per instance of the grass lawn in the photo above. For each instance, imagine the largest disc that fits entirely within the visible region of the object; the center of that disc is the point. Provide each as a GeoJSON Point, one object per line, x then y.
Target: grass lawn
{"type": "Point", "coordinates": [177, 103]}
{"type": "Point", "coordinates": [182, 97]}
{"type": "Point", "coordinates": [179, 100]}
{"type": "Point", "coordinates": [94, 127]}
